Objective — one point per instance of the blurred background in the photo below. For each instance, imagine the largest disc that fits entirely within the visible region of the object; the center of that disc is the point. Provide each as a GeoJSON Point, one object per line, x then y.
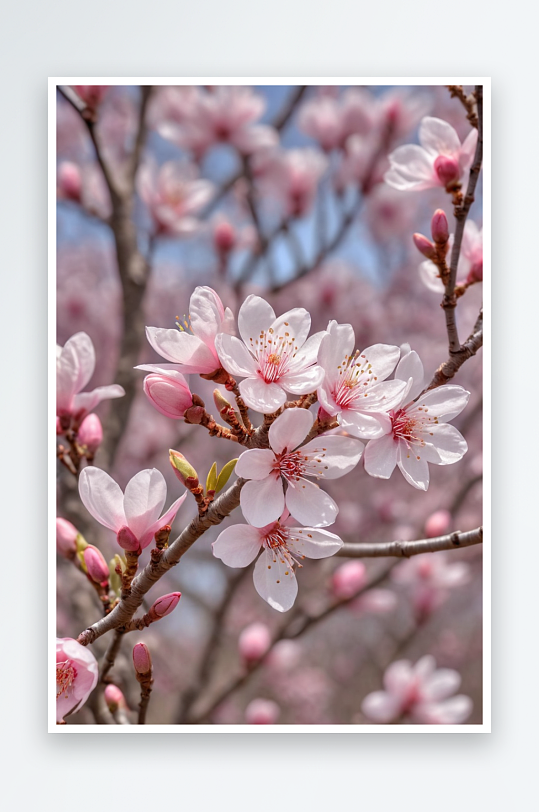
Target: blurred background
{"type": "Point", "coordinates": [277, 191]}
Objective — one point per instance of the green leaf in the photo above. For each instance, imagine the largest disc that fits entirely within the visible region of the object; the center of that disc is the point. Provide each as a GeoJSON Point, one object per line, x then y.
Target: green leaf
{"type": "Point", "coordinates": [80, 543]}
{"type": "Point", "coordinates": [225, 475]}
{"type": "Point", "coordinates": [211, 482]}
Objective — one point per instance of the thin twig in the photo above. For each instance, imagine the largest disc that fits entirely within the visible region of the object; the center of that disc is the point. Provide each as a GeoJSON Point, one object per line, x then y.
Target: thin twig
{"type": "Point", "coordinates": [405, 549]}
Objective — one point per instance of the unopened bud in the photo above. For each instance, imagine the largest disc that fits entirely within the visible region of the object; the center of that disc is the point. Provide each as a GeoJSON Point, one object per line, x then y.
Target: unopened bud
{"type": "Point", "coordinates": [447, 169]}
{"type": "Point", "coordinates": [114, 698]}
{"type": "Point", "coordinates": [141, 659]}
{"type": "Point", "coordinates": [194, 414]}
{"type": "Point", "coordinates": [262, 712]}
{"type": "Point", "coordinates": [348, 579]}
{"type": "Point", "coordinates": [424, 246]}
{"type": "Point", "coordinates": [438, 523]}
{"type": "Point", "coordinates": [170, 396]}
{"type": "Point", "coordinates": [90, 433]}
{"type": "Point", "coordinates": [165, 605]}
{"type": "Point", "coordinates": [96, 565]}
{"type": "Point", "coordinates": [224, 237]}
{"type": "Point", "coordinates": [69, 181]}
{"type": "Point", "coordinates": [439, 227]}
{"type": "Point", "coordinates": [66, 538]}
{"type": "Point", "coordinates": [183, 469]}
{"type": "Point", "coordinates": [91, 95]}
{"type": "Point", "coordinates": [221, 403]}
{"type": "Point", "coordinates": [127, 539]}
{"type": "Point", "coordinates": [254, 642]}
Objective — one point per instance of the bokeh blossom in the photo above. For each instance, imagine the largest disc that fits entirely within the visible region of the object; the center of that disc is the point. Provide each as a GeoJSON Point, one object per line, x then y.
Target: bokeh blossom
{"type": "Point", "coordinates": [76, 676]}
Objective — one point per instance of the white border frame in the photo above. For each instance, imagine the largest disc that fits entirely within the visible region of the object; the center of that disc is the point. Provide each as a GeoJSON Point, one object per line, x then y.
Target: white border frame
{"type": "Point", "coordinates": [485, 727]}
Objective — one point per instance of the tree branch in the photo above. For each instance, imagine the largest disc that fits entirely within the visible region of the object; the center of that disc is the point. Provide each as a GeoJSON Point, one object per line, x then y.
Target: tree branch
{"type": "Point", "coordinates": [405, 549]}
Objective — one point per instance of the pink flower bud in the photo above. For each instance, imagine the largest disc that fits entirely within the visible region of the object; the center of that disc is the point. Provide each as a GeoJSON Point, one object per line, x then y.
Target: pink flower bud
{"type": "Point", "coordinates": [127, 539]}
{"type": "Point", "coordinates": [475, 274]}
{"type": "Point", "coordinates": [183, 469]}
{"type": "Point", "coordinates": [376, 601]}
{"type": "Point", "coordinates": [91, 95]}
{"type": "Point", "coordinates": [424, 246]}
{"type": "Point", "coordinates": [262, 712]}
{"type": "Point", "coordinates": [168, 395]}
{"type": "Point", "coordinates": [69, 181]}
{"type": "Point", "coordinates": [254, 642]}
{"type": "Point", "coordinates": [96, 565]}
{"type": "Point", "coordinates": [66, 535]}
{"type": "Point", "coordinates": [90, 433]}
{"type": "Point", "coordinates": [438, 523]}
{"type": "Point", "coordinates": [224, 237]}
{"type": "Point", "coordinates": [141, 659]}
{"type": "Point", "coordinates": [221, 403]}
{"type": "Point", "coordinates": [348, 579]}
{"type": "Point", "coordinates": [439, 227]}
{"type": "Point", "coordinates": [165, 605]}
{"type": "Point", "coordinates": [114, 698]}
{"type": "Point", "coordinates": [447, 169]}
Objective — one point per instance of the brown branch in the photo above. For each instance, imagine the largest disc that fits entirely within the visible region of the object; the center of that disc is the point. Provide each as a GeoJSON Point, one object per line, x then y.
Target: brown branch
{"type": "Point", "coordinates": [405, 549]}
{"type": "Point", "coordinates": [468, 102]}
{"type": "Point", "coordinates": [110, 656]}
{"type": "Point", "coordinates": [449, 368]}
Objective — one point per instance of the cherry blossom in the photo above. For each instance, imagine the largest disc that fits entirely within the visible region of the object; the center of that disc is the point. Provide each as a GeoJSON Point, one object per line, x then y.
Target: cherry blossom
{"type": "Point", "coordinates": [263, 498]}
{"type": "Point", "coordinates": [254, 642]}
{"type": "Point", "coordinates": [429, 578]}
{"type": "Point", "coordinates": [169, 393]}
{"type": "Point", "coordinates": [470, 267]}
{"type": "Point", "coordinates": [354, 387]}
{"type": "Point", "coordinates": [417, 432]}
{"type": "Point", "coordinates": [192, 348]}
{"type": "Point", "coordinates": [420, 691]}
{"type": "Point", "coordinates": [275, 354]}
{"type": "Point", "coordinates": [262, 712]}
{"type": "Point", "coordinates": [134, 516]}
{"type": "Point", "coordinates": [75, 363]}
{"type": "Point", "coordinates": [441, 160]}
{"type": "Point", "coordinates": [321, 119]}
{"type": "Point", "coordinates": [173, 194]}
{"type": "Point", "coordinates": [292, 177]}
{"type": "Point", "coordinates": [283, 548]}
{"type": "Point", "coordinates": [76, 676]}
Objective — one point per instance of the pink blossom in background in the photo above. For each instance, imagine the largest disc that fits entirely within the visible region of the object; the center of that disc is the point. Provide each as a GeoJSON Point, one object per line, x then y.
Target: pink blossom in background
{"type": "Point", "coordinates": [274, 356]}
{"type": "Point", "coordinates": [441, 160]}
{"type": "Point", "coordinates": [75, 363]}
{"type": "Point", "coordinates": [69, 181]}
{"type": "Point", "coordinates": [348, 579]}
{"type": "Point", "coordinates": [91, 95]}
{"type": "Point", "coordinates": [66, 538]}
{"type": "Point", "coordinates": [390, 214]}
{"type": "Point", "coordinates": [169, 393]}
{"type": "Point", "coordinates": [283, 547]}
{"type": "Point", "coordinates": [375, 602]}
{"type": "Point", "coordinates": [321, 119]}
{"type": "Point", "coordinates": [76, 676]}
{"type": "Point", "coordinates": [263, 498]}
{"type": "Point", "coordinates": [354, 386]}
{"type": "Point", "coordinates": [114, 698]}
{"type": "Point", "coordinates": [254, 642]}
{"type": "Point", "coordinates": [429, 578]}
{"type": "Point", "coordinates": [262, 712]}
{"type": "Point", "coordinates": [438, 523]}
{"type": "Point", "coordinates": [419, 691]}
{"type": "Point", "coordinates": [173, 195]}
{"type": "Point", "coordinates": [292, 176]}
{"type": "Point", "coordinates": [134, 516]}
{"type": "Point", "coordinates": [470, 267]}
{"type": "Point", "coordinates": [192, 348]}
{"type": "Point", "coordinates": [417, 432]}
{"type": "Point", "coordinates": [90, 433]}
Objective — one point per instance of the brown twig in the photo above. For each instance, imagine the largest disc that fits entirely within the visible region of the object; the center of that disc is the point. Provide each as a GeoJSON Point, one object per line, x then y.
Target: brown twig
{"type": "Point", "coordinates": [469, 348]}
{"type": "Point", "coordinates": [405, 549]}
{"type": "Point", "coordinates": [468, 102]}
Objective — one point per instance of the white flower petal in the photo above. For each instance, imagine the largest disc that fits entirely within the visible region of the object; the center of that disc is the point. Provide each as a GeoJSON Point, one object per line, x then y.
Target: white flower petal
{"type": "Point", "coordinates": [444, 402]}
{"type": "Point", "coordinates": [206, 312]}
{"type": "Point", "coordinates": [257, 463]}
{"type": "Point", "coordinates": [414, 466]}
{"type": "Point", "coordinates": [261, 396]}
{"type": "Point", "coordinates": [89, 400]}
{"type": "Point", "coordinates": [430, 276]}
{"type": "Point", "coordinates": [438, 137]}
{"type": "Point", "coordinates": [441, 684]}
{"type": "Point", "coordinates": [310, 505]}
{"type": "Point", "coordinates": [275, 581]}
{"type": "Point", "coordinates": [144, 499]}
{"type": "Point", "coordinates": [467, 151]}
{"type": "Point", "coordinates": [182, 348]}
{"type": "Point", "coordinates": [448, 442]}
{"type": "Point", "coordinates": [234, 355]}
{"type": "Point", "coordinates": [381, 457]}
{"type": "Point", "coordinates": [381, 707]}
{"type": "Point", "coordinates": [453, 711]}
{"type": "Point", "coordinates": [383, 358]}
{"type": "Point", "coordinates": [338, 456]}
{"type": "Point", "coordinates": [313, 542]}
{"type": "Point", "coordinates": [290, 429]}
{"type": "Point", "coordinates": [255, 317]}
{"type": "Point", "coordinates": [308, 353]}
{"type": "Point", "coordinates": [411, 168]}
{"type": "Point", "coordinates": [335, 347]}
{"type": "Point", "coordinates": [304, 382]}
{"type": "Point", "coordinates": [262, 501]}
{"type": "Point", "coordinates": [238, 545]}
{"type": "Point", "coordinates": [410, 366]}
{"type": "Point", "coordinates": [102, 497]}
{"type": "Point", "coordinates": [366, 426]}
{"type": "Point", "coordinates": [296, 322]}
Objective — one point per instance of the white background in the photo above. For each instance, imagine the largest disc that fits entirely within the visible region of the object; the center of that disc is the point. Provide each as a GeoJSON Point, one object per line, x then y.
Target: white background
{"type": "Point", "coordinates": [411, 772]}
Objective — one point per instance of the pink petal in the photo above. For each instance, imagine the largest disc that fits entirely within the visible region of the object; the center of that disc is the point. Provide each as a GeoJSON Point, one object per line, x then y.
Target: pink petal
{"type": "Point", "coordinates": [308, 353]}
{"type": "Point", "coordinates": [310, 505]}
{"type": "Point", "coordinates": [182, 348]}
{"type": "Point", "coordinates": [89, 400]}
{"type": "Point", "coordinates": [338, 455]}
{"type": "Point", "coordinates": [167, 518]}
{"type": "Point", "coordinates": [366, 426]}
{"type": "Point", "coordinates": [410, 366]}
{"type": "Point", "coordinates": [275, 581]}
{"type": "Point", "coordinates": [297, 322]}
{"type": "Point", "coordinates": [430, 276]}
{"type": "Point", "coordinates": [257, 463]}
{"type": "Point", "coordinates": [206, 312]}
{"type": "Point", "coordinates": [301, 383]}
{"type": "Point", "coordinates": [255, 317]}
{"type": "Point", "coordinates": [445, 402]}
{"type": "Point", "coordinates": [448, 442]}
{"type": "Point", "coordinates": [144, 498]}
{"type": "Point", "coordinates": [383, 358]}
{"type": "Point", "coordinates": [398, 678]}
{"type": "Point", "coordinates": [381, 707]}
{"type": "Point", "coordinates": [412, 168]}
{"type": "Point", "coordinates": [453, 711]}
{"type": "Point", "coordinates": [381, 457]}
{"type": "Point", "coordinates": [238, 545]}
{"type": "Point", "coordinates": [335, 347]}
{"type": "Point", "coordinates": [443, 683]}
{"type": "Point", "coordinates": [82, 348]}
{"type": "Point", "coordinates": [102, 497]}
{"type": "Point", "coordinates": [290, 429]}
{"type": "Point", "coordinates": [234, 355]}
{"type": "Point", "coordinates": [414, 470]}
{"type": "Point", "coordinates": [261, 396]}
{"type": "Point", "coordinates": [262, 501]}
{"type": "Point", "coordinates": [438, 137]}
{"type": "Point", "coordinates": [313, 542]}
{"type": "Point", "coordinates": [467, 151]}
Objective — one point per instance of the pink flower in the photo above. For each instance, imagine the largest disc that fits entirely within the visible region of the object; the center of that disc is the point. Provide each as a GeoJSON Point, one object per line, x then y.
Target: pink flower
{"type": "Point", "coordinates": [470, 267]}
{"type": "Point", "coordinates": [91, 95]}
{"type": "Point", "coordinates": [193, 348]}
{"type": "Point", "coordinates": [75, 363]}
{"type": "Point", "coordinates": [262, 712]}
{"type": "Point", "coordinates": [135, 516]}
{"type": "Point", "coordinates": [416, 432]}
{"type": "Point", "coordinates": [321, 119]}
{"type": "Point", "coordinates": [275, 354]}
{"type": "Point", "coordinates": [438, 523]}
{"type": "Point", "coordinates": [66, 538]}
{"type": "Point", "coordinates": [285, 462]}
{"type": "Point", "coordinates": [354, 387]}
{"type": "Point", "coordinates": [114, 698]}
{"type": "Point", "coordinates": [348, 579]}
{"type": "Point", "coordinates": [96, 565]}
{"type": "Point", "coordinates": [283, 547]}
{"type": "Point", "coordinates": [69, 183]}
{"type": "Point", "coordinates": [441, 160]}
{"type": "Point", "coordinates": [173, 194]}
{"type": "Point", "coordinates": [254, 642]}
{"type": "Point", "coordinates": [76, 676]}
{"type": "Point", "coordinates": [90, 433]}
{"type": "Point", "coordinates": [429, 577]}
{"type": "Point", "coordinates": [419, 691]}
{"type": "Point", "coordinates": [294, 179]}
{"type": "Point", "coordinates": [168, 393]}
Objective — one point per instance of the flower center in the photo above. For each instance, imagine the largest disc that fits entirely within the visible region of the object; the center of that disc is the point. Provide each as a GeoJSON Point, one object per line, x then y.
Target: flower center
{"type": "Point", "coordinates": [410, 427]}
{"type": "Point", "coordinates": [274, 352]}
{"type": "Point", "coordinates": [276, 542]}
{"type": "Point", "coordinates": [355, 374]}
{"type": "Point", "coordinates": [66, 674]}
{"type": "Point", "coordinates": [184, 325]}
{"type": "Point", "coordinates": [294, 465]}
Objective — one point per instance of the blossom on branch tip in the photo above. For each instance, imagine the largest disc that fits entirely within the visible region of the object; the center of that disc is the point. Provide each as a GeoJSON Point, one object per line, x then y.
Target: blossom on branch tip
{"type": "Point", "coordinates": [288, 463]}
{"type": "Point", "coordinates": [66, 538]}
{"type": "Point", "coordinates": [470, 267]}
{"type": "Point", "coordinates": [76, 676]}
{"type": "Point", "coordinates": [417, 433]}
{"type": "Point", "coordinates": [90, 433]}
{"type": "Point", "coordinates": [142, 660]}
{"type": "Point", "coordinates": [164, 605]}
{"type": "Point", "coordinates": [354, 386]}
{"type": "Point", "coordinates": [75, 363]}
{"type": "Point", "coordinates": [441, 160]}
{"type": "Point", "coordinates": [283, 547]}
{"type": "Point", "coordinates": [96, 565]}
{"type": "Point", "coordinates": [420, 691]}
{"type": "Point", "coordinates": [169, 393]}
{"type": "Point", "coordinates": [134, 516]}
{"type": "Point", "coordinates": [191, 348]}
{"type": "Point", "coordinates": [274, 356]}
